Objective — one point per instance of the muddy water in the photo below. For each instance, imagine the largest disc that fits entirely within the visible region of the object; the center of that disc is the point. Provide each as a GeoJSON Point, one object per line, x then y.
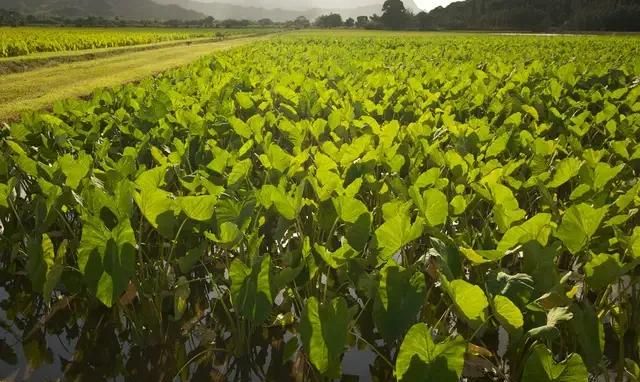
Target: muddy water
{"type": "Point", "coordinates": [71, 344]}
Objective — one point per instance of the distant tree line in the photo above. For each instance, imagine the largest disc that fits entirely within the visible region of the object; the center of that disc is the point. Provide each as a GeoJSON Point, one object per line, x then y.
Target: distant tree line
{"type": "Point", "coordinates": [588, 15]}
{"type": "Point", "coordinates": [525, 15]}
{"type": "Point", "coordinates": [12, 18]}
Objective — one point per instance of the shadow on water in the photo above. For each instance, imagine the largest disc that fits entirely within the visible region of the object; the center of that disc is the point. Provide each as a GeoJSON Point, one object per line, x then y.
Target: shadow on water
{"type": "Point", "coordinates": [72, 340]}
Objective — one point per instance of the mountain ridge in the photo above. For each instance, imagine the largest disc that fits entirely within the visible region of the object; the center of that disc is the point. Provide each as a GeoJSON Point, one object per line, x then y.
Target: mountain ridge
{"type": "Point", "coordinates": [225, 9]}
{"type": "Point", "coordinates": [125, 9]}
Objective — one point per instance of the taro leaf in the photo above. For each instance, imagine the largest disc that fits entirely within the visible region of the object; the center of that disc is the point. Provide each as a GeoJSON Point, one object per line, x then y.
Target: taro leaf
{"type": "Point", "coordinates": [4, 195]}
{"type": "Point", "coordinates": [270, 195]}
{"type": "Point", "coordinates": [540, 263]}
{"type": "Point", "coordinates": [399, 298]}
{"type": "Point", "coordinates": [358, 233]}
{"type": "Point", "coordinates": [555, 316]}
{"type": "Point", "coordinates": [239, 171]}
{"type": "Point", "coordinates": [240, 128]}
{"type": "Point", "coordinates": [323, 329]}
{"type": "Point", "coordinates": [287, 94]}
{"type": "Point", "coordinates": [506, 210]}
{"type": "Point", "coordinates": [603, 174]}
{"type": "Point", "coordinates": [75, 169]}
{"type": "Point", "coordinates": [44, 266]}
{"type": "Point", "coordinates": [602, 270]}
{"type": "Point", "coordinates": [191, 258]}
{"type": "Point", "coordinates": [55, 270]}
{"type": "Point", "coordinates": [229, 235]}
{"type": "Point", "coordinates": [151, 179]}
{"type": "Point", "coordinates": [507, 313]}
{"type": "Point", "coordinates": [251, 288]}
{"type": "Point", "coordinates": [397, 232]}
{"type": "Point", "coordinates": [198, 208]}
{"type": "Point", "coordinates": [26, 164]}
{"type": "Point", "coordinates": [428, 178]}
{"type": "Point", "coordinates": [277, 158]}
{"type": "Point", "coordinates": [421, 359]}
{"type": "Point", "coordinates": [107, 258]}
{"type": "Point", "coordinates": [537, 229]}
{"type": "Point", "coordinates": [541, 367]}
{"type": "Point", "coordinates": [634, 243]}
{"type": "Point", "coordinates": [436, 207]}
{"type": "Point", "coordinates": [180, 297]}
{"type": "Point", "coordinates": [469, 300]}
{"type": "Point", "coordinates": [566, 170]}
{"type": "Point", "coordinates": [579, 224]}
{"type": "Point", "coordinates": [589, 332]}
{"type": "Point", "coordinates": [459, 204]}
{"type": "Point", "coordinates": [477, 257]}
{"type": "Point", "coordinates": [349, 209]}
{"type": "Point", "coordinates": [338, 258]}
{"type": "Point", "coordinates": [244, 100]}
{"type": "Point", "coordinates": [531, 111]}
{"type": "Point", "coordinates": [158, 207]}
{"type": "Point", "coordinates": [498, 145]}
{"type": "Point", "coordinates": [447, 257]}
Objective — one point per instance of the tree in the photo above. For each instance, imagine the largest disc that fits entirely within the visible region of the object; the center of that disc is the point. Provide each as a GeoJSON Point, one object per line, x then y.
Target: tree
{"type": "Point", "coordinates": [424, 21]}
{"type": "Point", "coordinates": [350, 22]}
{"type": "Point", "coordinates": [301, 22]}
{"type": "Point", "coordinates": [209, 22]}
{"type": "Point", "coordinates": [394, 14]}
{"type": "Point", "coordinates": [362, 21]}
{"type": "Point", "coordinates": [265, 22]}
{"type": "Point", "coordinates": [332, 20]}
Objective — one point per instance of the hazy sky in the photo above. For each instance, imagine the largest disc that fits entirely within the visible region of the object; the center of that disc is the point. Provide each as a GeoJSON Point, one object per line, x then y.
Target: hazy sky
{"type": "Point", "coordinates": [430, 4]}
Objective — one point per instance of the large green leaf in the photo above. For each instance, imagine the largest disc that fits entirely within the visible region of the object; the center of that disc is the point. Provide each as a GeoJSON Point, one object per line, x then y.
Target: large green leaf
{"type": "Point", "coordinates": [538, 228]}
{"type": "Point", "coordinates": [45, 265]}
{"type": "Point", "coordinates": [435, 207]}
{"type": "Point", "coordinates": [506, 210]}
{"type": "Point", "coordinates": [396, 233]}
{"type": "Point", "coordinates": [200, 208]}
{"type": "Point", "coordinates": [565, 170]}
{"type": "Point", "coordinates": [634, 243]}
{"type": "Point", "coordinates": [507, 313]}
{"type": "Point", "coordinates": [421, 359]}
{"type": "Point", "coordinates": [159, 208]}
{"type": "Point", "coordinates": [75, 169]}
{"type": "Point", "coordinates": [239, 171]}
{"type": "Point", "coordinates": [4, 195]}
{"type": "Point", "coordinates": [339, 257]}
{"type": "Point", "coordinates": [399, 299]}
{"type": "Point", "coordinates": [603, 174]}
{"type": "Point", "coordinates": [244, 100]}
{"type": "Point", "coordinates": [323, 329]}
{"type": "Point", "coordinates": [251, 288]}
{"type": "Point", "coordinates": [470, 300]}
{"type": "Point", "coordinates": [589, 333]}
{"type": "Point", "coordinates": [602, 270]}
{"type": "Point", "coordinates": [349, 209]}
{"type": "Point", "coordinates": [579, 224]}
{"type": "Point", "coordinates": [107, 258]}
{"type": "Point", "coordinates": [541, 367]}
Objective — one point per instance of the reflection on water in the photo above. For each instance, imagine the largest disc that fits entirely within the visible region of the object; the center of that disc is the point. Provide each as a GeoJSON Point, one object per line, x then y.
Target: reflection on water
{"type": "Point", "coordinates": [70, 340]}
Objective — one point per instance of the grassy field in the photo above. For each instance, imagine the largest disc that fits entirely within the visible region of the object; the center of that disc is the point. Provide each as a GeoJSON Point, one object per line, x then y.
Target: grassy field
{"type": "Point", "coordinates": [328, 206]}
